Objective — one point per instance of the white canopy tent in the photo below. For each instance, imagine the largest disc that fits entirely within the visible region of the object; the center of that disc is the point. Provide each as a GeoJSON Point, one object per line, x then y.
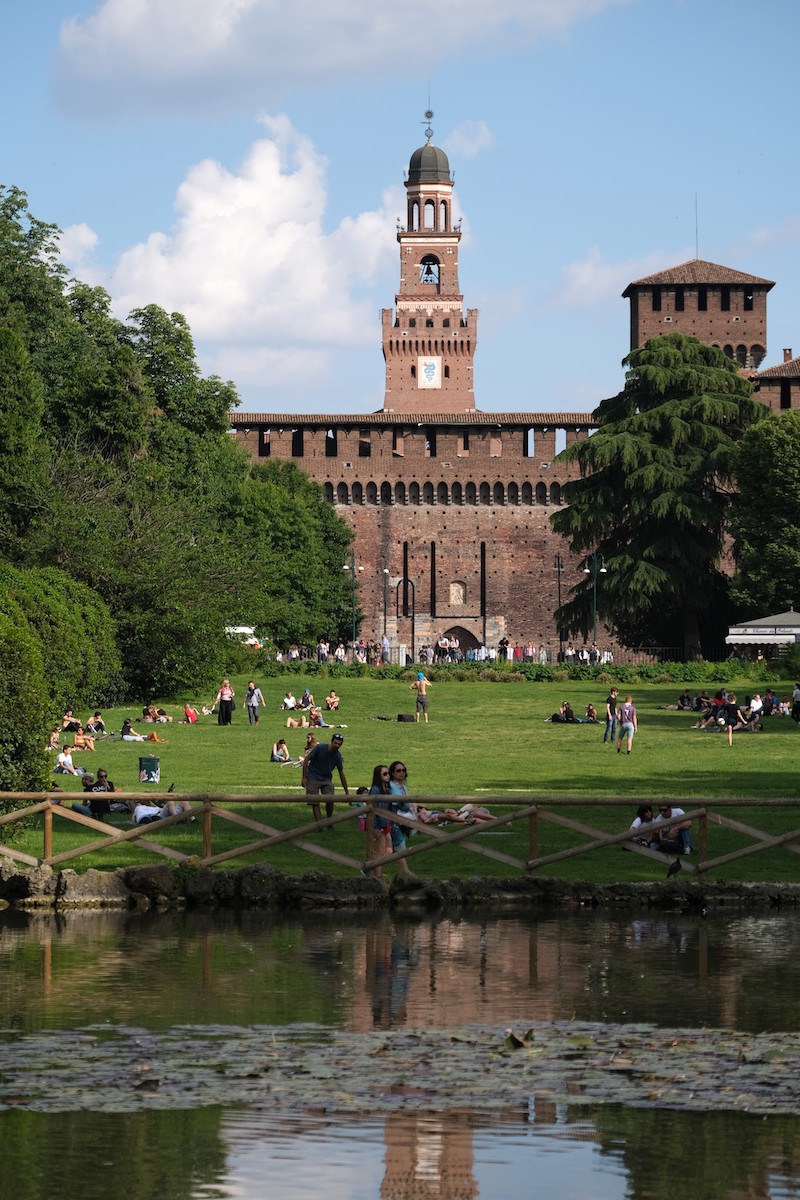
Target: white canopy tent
{"type": "Point", "coordinates": [780, 630]}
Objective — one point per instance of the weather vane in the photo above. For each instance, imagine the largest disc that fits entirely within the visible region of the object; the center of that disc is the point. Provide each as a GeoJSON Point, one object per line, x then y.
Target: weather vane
{"type": "Point", "coordinates": [427, 123]}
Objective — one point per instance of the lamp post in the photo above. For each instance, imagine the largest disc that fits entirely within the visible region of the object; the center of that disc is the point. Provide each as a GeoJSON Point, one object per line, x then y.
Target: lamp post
{"type": "Point", "coordinates": [351, 567]}
{"type": "Point", "coordinates": [558, 567]}
{"type": "Point", "coordinates": [596, 566]}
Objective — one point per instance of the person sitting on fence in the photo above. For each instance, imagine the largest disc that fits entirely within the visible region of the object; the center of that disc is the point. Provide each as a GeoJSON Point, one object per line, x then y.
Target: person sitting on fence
{"type": "Point", "coordinates": [144, 814]}
{"type": "Point", "coordinates": [332, 701]}
{"type": "Point", "coordinates": [643, 818]}
{"type": "Point", "coordinates": [672, 839]}
{"type": "Point", "coordinates": [128, 733]}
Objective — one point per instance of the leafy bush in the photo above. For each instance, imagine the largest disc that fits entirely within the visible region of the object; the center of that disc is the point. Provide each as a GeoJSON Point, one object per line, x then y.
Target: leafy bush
{"type": "Point", "coordinates": [24, 703]}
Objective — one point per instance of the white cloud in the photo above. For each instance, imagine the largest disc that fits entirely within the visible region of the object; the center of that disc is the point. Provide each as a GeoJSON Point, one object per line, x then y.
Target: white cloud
{"type": "Point", "coordinates": [76, 243]}
{"type": "Point", "coordinates": [468, 139]}
{"type": "Point", "coordinates": [145, 53]}
{"type": "Point", "coordinates": [593, 281]}
{"type": "Point", "coordinates": [784, 234]}
{"type": "Point", "coordinates": [268, 293]}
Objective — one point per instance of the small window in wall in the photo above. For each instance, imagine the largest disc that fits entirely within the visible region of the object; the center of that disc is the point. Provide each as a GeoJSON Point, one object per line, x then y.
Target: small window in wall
{"type": "Point", "coordinates": [397, 443]}
{"type": "Point", "coordinates": [446, 372]}
{"type": "Point", "coordinates": [748, 300]}
{"type": "Point", "coordinates": [458, 592]}
{"type": "Point", "coordinates": [702, 299]}
{"type": "Point", "coordinates": [656, 299]}
{"type": "Point", "coordinates": [412, 323]}
{"type": "Point", "coordinates": [428, 323]}
{"type": "Point", "coordinates": [463, 444]}
{"type": "Point", "coordinates": [413, 372]}
{"type": "Point", "coordinates": [430, 442]}
{"type": "Point", "coordinates": [264, 444]}
{"type": "Point", "coordinates": [297, 443]}
{"type": "Point", "coordinates": [446, 323]}
{"type": "Point", "coordinates": [332, 443]}
{"type": "Point", "coordinates": [561, 440]}
{"type": "Point", "coordinates": [528, 443]}
{"type": "Point", "coordinates": [679, 300]}
{"type": "Point", "coordinates": [725, 299]}
{"type": "Point", "coordinates": [786, 394]}
{"type": "Point", "coordinates": [495, 445]}
{"type": "Point", "coordinates": [364, 443]}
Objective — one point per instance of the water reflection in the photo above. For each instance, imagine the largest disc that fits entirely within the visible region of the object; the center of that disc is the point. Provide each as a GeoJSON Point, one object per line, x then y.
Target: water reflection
{"type": "Point", "coordinates": [739, 972]}
{"type": "Point", "coordinates": [354, 973]}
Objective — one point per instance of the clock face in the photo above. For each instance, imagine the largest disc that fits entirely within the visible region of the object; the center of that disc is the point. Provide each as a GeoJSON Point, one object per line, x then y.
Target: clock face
{"type": "Point", "coordinates": [429, 372]}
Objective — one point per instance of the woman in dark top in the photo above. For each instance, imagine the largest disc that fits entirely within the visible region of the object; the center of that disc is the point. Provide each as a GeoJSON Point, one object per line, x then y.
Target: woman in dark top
{"type": "Point", "coordinates": [731, 714]}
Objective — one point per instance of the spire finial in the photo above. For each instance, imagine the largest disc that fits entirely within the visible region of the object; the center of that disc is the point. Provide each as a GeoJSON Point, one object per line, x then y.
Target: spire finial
{"type": "Point", "coordinates": [427, 122]}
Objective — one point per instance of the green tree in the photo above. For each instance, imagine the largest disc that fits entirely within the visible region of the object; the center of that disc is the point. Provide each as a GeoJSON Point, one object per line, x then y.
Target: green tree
{"type": "Point", "coordinates": [24, 704]}
{"type": "Point", "coordinates": [654, 494]}
{"type": "Point", "coordinates": [766, 518]}
{"type": "Point", "coordinates": [22, 451]}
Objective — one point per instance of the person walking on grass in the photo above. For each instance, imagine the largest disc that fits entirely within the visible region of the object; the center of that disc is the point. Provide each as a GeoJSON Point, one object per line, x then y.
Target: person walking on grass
{"type": "Point", "coordinates": [318, 765]}
{"type": "Point", "coordinates": [628, 724]}
{"type": "Point", "coordinates": [420, 686]}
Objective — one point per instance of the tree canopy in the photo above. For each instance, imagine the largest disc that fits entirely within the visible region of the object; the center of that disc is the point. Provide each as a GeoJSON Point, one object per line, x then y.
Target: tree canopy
{"type": "Point", "coordinates": [117, 468]}
{"type": "Point", "coordinates": [766, 518]}
{"type": "Point", "coordinates": [655, 491]}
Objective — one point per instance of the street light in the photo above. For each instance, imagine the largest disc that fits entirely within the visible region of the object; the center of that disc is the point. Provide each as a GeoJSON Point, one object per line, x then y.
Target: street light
{"type": "Point", "coordinates": [351, 567]}
{"type": "Point", "coordinates": [597, 566]}
{"type": "Point", "coordinates": [558, 567]}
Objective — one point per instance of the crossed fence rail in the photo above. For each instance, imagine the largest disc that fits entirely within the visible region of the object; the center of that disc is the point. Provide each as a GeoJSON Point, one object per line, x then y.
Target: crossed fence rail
{"type": "Point", "coordinates": [211, 810]}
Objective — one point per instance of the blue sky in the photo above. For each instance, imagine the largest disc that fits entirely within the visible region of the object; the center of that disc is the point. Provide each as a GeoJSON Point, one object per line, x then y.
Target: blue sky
{"type": "Point", "coordinates": [241, 161]}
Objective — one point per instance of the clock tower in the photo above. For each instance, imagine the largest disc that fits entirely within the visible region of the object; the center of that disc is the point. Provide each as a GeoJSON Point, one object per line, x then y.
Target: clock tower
{"type": "Point", "coordinates": [428, 340]}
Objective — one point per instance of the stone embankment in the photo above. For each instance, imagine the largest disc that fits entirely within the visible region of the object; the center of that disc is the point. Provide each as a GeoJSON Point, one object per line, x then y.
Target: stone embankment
{"type": "Point", "coordinates": [163, 886]}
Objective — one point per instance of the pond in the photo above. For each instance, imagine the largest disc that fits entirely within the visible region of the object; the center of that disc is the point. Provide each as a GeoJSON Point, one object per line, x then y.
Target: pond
{"type": "Point", "coordinates": [187, 1054]}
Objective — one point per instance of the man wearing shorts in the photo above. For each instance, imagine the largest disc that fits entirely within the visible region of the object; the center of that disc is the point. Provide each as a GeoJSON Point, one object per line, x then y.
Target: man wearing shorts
{"type": "Point", "coordinates": [318, 767]}
{"type": "Point", "coordinates": [421, 685]}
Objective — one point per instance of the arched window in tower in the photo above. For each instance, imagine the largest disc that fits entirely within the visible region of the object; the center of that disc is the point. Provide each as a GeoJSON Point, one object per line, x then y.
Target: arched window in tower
{"type": "Point", "coordinates": [415, 216]}
{"type": "Point", "coordinates": [429, 270]}
{"type": "Point", "coordinates": [485, 494]}
{"type": "Point", "coordinates": [527, 493]}
{"type": "Point", "coordinates": [329, 492]}
{"type": "Point", "coordinates": [457, 494]}
{"type": "Point", "coordinates": [444, 223]}
{"type": "Point", "coordinates": [372, 493]}
{"type": "Point", "coordinates": [342, 496]}
{"type": "Point", "coordinates": [414, 371]}
{"type": "Point", "coordinates": [358, 493]}
{"type": "Point", "coordinates": [427, 493]}
{"type": "Point", "coordinates": [458, 592]}
{"type": "Point", "coordinates": [430, 215]}
{"type": "Point", "coordinates": [446, 371]}
{"type": "Point", "coordinates": [757, 354]}
{"type": "Point", "coordinates": [513, 493]}
{"type": "Point", "coordinates": [413, 493]}
{"type": "Point", "coordinates": [386, 493]}
{"type": "Point", "coordinates": [471, 494]}
{"type": "Point", "coordinates": [442, 494]}
{"type": "Point", "coordinates": [728, 351]}
{"type": "Point", "coordinates": [555, 493]}
{"type": "Point", "coordinates": [499, 494]}
{"type": "Point", "coordinates": [400, 493]}
{"type": "Point", "coordinates": [741, 355]}
{"type": "Point", "coordinates": [541, 493]}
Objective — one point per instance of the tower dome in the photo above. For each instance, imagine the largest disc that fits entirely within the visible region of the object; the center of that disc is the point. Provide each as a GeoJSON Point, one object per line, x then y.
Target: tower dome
{"type": "Point", "coordinates": [429, 164]}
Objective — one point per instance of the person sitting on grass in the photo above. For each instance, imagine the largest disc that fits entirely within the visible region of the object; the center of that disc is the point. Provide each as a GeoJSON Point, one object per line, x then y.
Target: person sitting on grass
{"type": "Point", "coordinates": [82, 741]}
{"type": "Point", "coordinates": [128, 733]}
{"type": "Point", "coordinates": [280, 754]}
{"type": "Point", "coordinates": [69, 722]}
{"type": "Point", "coordinates": [65, 765]}
{"type": "Point", "coordinates": [332, 701]}
{"type": "Point", "coordinates": [300, 722]}
{"type": "Point", "coordinates": [96, 726]}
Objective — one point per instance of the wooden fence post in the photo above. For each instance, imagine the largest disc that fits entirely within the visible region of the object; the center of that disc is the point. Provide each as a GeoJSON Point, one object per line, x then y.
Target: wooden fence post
{"type": "Point", "coordinates": [703, 847]}
{"type": "Point", "coordinates": [533, 835]}
{"type": "Point", "coordinates": [48, 832]}
{"type": "Point", "coordinates": [207, 831]}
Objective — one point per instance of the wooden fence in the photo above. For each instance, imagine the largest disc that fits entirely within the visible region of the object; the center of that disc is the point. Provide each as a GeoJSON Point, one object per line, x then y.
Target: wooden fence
{"type": "Point", "coordinates": [208, 811]}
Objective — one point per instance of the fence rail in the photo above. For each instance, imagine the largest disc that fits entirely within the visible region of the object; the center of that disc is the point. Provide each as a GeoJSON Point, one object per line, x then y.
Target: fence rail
{"type": "Point", "coordinates": [210, 812]}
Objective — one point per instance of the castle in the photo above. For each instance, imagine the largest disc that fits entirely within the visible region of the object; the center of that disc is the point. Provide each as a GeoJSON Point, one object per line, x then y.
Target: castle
{"type": "Point", "coordinates": [449, 504]}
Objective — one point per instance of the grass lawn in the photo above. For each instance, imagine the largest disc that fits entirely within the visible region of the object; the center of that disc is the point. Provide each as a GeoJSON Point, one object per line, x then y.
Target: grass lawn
{"type": "Point", "coordinates": [483, 740]}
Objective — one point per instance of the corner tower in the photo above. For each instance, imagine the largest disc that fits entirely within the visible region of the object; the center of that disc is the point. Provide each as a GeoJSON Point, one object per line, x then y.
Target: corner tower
{"type": "Point", "coordinates": [428, 341]}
